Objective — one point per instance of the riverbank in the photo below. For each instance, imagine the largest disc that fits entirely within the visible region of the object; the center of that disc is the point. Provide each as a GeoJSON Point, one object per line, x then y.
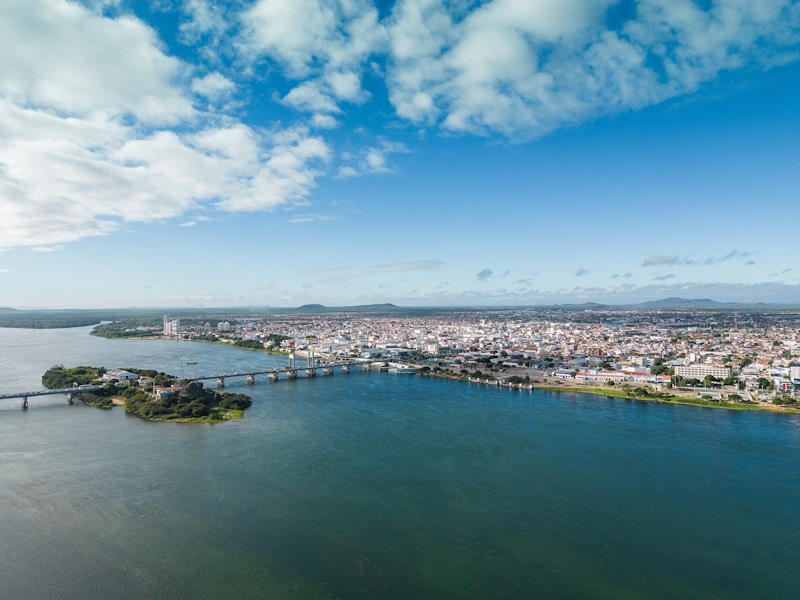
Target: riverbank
{"type": "Point", "coordinates": [161, 337]}
{"type": "Point", "coordinates": [647, 396]}
{"type": "Point", "coordinates": [233, 345]}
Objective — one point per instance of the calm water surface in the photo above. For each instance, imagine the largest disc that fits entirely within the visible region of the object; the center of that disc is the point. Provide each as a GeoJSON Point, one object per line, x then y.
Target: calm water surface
{"type": "Point", "coordinates": [379, 486]}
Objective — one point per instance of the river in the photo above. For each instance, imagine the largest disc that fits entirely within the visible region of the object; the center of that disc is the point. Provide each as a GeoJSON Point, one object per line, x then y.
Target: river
{"type": "Point", "coordinates": [372, 485]}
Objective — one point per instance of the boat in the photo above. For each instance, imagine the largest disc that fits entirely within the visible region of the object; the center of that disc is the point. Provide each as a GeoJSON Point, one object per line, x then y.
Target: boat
{"type": "Point", "coordinates": [192, 363]}
{"type": "Point", "coordinates": [404, 371]}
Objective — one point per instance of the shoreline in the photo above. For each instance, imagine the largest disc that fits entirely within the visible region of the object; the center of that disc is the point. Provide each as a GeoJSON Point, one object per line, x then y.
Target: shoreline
{"type": "Point", "coordinates": [597, 391]}
{"type": "Point", "coordinates": [159, 337]}
{"type": "Point", "coordinates": [621, 395]}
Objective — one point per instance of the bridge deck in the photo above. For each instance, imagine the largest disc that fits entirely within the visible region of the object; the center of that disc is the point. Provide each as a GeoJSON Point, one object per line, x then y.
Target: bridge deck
{"type": "Point", "coordinates": [91, 388]}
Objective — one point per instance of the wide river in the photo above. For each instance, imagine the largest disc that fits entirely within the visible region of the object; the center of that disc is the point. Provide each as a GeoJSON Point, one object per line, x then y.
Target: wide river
{"type": "Point", "coordinates": [373, 485]}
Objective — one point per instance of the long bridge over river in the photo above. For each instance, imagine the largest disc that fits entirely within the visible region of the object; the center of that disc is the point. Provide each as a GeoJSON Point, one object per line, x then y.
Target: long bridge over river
{"type": "Point", "coordinates": [273, 374]}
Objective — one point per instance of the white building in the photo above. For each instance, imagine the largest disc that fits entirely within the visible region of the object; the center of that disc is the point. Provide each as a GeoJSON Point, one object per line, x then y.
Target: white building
{"type": "Point", "coordinates": [171, 327]}
{"type": "Point", "coordinates": [119, 375]}
{"type": "Point", "coordinates": [700, 371]}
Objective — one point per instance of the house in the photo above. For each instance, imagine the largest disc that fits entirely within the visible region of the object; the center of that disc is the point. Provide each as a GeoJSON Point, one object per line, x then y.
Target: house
{"type": "Point", "coordinates": [119, 375]}
{"type": "Point", "coordinates": [167, 391]}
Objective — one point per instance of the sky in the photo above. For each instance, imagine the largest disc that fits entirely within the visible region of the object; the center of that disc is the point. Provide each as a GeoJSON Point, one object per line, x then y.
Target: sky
{"type": "Point", "coordinates": [176, 153]}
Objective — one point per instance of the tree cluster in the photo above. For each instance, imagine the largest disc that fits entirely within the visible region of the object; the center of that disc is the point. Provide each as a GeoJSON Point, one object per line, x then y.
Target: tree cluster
{"type": "Point", "coordinates": [58, 377]}
{"type": "Point", "coordinates": [193, 401]}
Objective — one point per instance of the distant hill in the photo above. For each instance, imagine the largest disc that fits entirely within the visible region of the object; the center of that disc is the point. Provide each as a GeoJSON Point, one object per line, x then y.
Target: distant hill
{"type": "Point", "coordinates": [667, 303]}
{"type": "Point", "coordinates": [359, 308]}
{"type": "Point", "coordinates": [7, 310]}
{"type": "Point", "coordinates": [685, 303]}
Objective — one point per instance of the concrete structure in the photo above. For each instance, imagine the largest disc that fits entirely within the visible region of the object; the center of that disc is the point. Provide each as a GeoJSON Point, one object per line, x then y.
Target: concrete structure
{"type": "Point", "coordinates": [699, 371]}
{"type": "Point", "coordinates": [119, 375]}
{"type": "Point", "coordinates": [172, 327]}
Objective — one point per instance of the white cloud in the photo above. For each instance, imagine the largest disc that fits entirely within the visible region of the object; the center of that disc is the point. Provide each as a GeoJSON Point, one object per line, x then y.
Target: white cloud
{"type": "Point", "coordinates": [324, 121]}
{"type": "Point", "coordinates": [325, 43]}
{"type": "Point", "coordinates": [310, 218]}
{"type": "Point", "coordinates": [87, 105]}
{"type": "Point", "coordinates": [202, 19]}
{"type": "Point", "coordinates": [213, 86]}
{"type": "Point", "coordinates": [60, 55]}
{"type": "Point", "coordinates": [525, 68]}
{"type": "Point", "coordinates": [674, 259]}
{"type": "Point", "coordinates": [371, 160]}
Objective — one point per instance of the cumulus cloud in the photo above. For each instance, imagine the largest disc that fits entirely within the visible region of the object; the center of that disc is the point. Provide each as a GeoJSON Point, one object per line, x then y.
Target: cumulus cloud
{"type": "Point", "coordinates": [663, 277]}
{"type": "Point", "coordinates": [213, 86]}
{"type": "Point", "coordinates": [524, 69]}
{"type": "Point", "coordinates": [326, 44]}
{"type": "Point", "coordinates": [484, 275]}
{"type": "Point", "coordinates": [60, 55]}
{"type": "Point", "coordinates": [581, 272]}
{"type": "Point", "coordinates": [202, 20]}
{"type": "Point", "coordinates": [94, 139]}
{"type": "Point", "coordinates": [372, 159]}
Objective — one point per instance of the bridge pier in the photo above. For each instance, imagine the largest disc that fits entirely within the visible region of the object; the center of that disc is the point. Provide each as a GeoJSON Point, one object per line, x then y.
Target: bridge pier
{"type": "Point", "coordinates": [273, 377]}
{"type": "Point", "coordinates": [311, 372]}
{"type": "Point", "coordinates": [220, 382]}
{"type": "Point", "coordinates": [251, 379]}
{"type": "Point", "coordinates": [367, 367]}
{"type": "Point", "coordinates": [70, 399]}
{"type": "Point", "coordinates": [327, 371]}
{"type": "Point", "coordinates": [291, 374]}
{"type": "Point", "coordinates": [345, 369]}
{"type": "Point", "coordinates": [24, 404]}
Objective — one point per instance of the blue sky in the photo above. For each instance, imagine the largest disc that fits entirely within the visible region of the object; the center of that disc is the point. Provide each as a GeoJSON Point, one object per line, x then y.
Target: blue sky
{"type": "Point", "coordinates": [507, 152]}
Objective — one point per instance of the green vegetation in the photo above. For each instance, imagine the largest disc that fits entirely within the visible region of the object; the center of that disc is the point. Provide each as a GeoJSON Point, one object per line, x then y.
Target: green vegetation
{"type": "Point", "coordinates": [652, 396]}
{"type": "Point", "coordinates": [193, 403]}
{"type": "Point", "coordinates": [101, 398]}
{"type": "Point", "coordinates": [125, 329]}
{"type": "Point", "coordinates": [48, 323]}
{"type": "Point", "coordinates": [249, 344]}
{"type": "Point", "coordinates": [58, 377]}
{"type": "Point", "coordinates": [276, 338]}
{"type": "Point", "coordinates": [206, 337]}
{"type": "Point", "coordinates": [784, 401]}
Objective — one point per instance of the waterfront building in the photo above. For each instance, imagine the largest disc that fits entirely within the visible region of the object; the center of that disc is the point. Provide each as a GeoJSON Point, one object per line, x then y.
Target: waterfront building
{"type": "Point", "coordinates": [697, 371]}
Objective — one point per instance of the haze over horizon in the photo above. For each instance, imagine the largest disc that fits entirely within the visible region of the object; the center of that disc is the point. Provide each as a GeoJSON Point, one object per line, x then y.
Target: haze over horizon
{"type": "Point", "coordinates": [286, 152]}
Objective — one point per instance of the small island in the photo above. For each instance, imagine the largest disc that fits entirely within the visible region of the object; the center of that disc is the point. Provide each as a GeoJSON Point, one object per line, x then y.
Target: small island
{"type": "Point", "coordinates": [149, 394]}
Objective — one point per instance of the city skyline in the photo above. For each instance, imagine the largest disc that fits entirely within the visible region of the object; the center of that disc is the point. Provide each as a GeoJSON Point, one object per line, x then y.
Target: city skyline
{"type": "Point", "coordinates": [281, 153]}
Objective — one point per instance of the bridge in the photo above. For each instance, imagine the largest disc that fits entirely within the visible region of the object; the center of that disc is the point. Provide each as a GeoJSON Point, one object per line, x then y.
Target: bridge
{"type": "Point", "coordinates": [71, 392]}
{"type": "Point", "coordinates": [290, 371]}
{"type": "Point", "coordinates": [310, 369]}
